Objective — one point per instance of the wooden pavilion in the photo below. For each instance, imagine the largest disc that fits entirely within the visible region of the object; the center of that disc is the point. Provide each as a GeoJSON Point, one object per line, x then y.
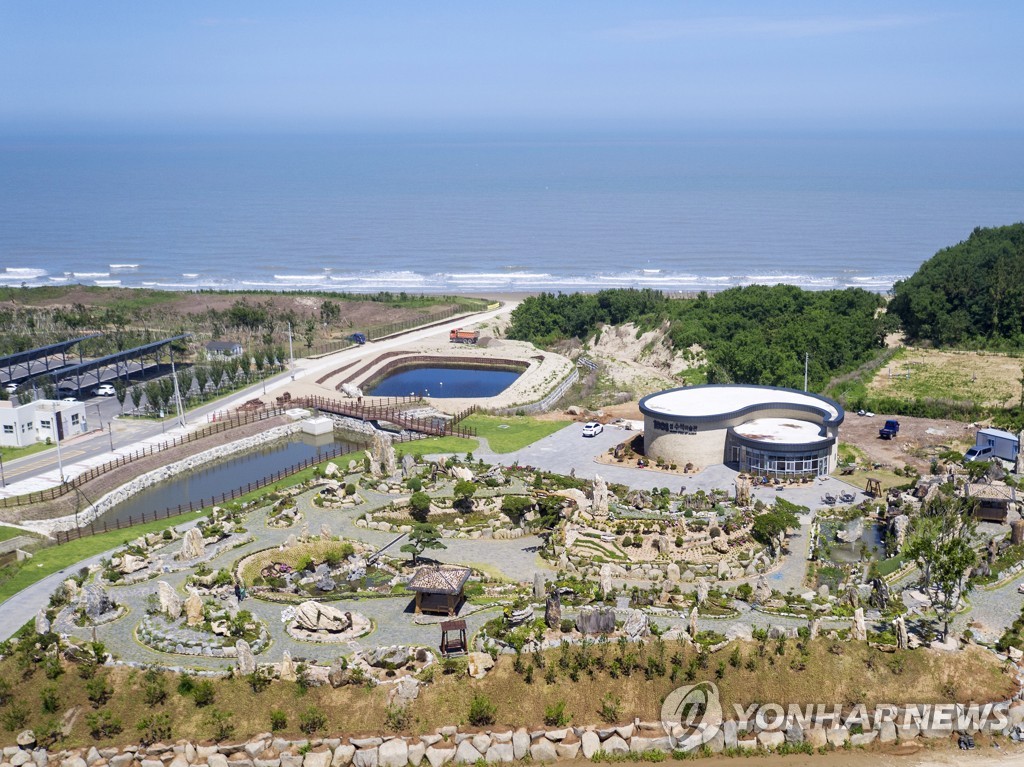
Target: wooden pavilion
{"type": "Point", "coordinates": [439, 589]}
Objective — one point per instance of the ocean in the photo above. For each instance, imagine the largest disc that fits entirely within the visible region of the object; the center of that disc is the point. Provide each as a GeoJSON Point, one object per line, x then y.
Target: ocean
{"type": "Point", "coordinates": [489, 214]}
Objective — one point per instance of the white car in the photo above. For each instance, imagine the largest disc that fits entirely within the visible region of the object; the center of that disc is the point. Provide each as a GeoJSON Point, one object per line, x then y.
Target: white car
{"type": "Point", "coordinates": [105, 390]}
{"type": "Point", "coordinates": [10, 388]}
{"type": "Point", "coordinates": [68, 399]}
{"type": "Point", "coordinates": [592, 429]}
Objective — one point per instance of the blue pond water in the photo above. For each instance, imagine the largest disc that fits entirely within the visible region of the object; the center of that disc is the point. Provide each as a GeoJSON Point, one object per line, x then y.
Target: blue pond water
{"type": "Point", "coordinates": [224, 476]}
{"type": "Point", "coordinates": [446, 382]}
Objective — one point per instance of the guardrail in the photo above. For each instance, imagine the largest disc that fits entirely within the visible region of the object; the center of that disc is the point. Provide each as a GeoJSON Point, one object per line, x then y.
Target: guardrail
{"type": "Point", "coordinates": [543, 404]}
{"type": "Point", "coordinates": [230, 422]}
{"type": "Point", "coordinates": [93, 528]}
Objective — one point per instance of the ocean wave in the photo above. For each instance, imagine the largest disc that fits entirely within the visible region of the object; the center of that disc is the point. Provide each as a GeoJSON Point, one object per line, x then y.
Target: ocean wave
{"type": "Point", "coordinates": [24, 272]}
{"type": "Point", "coordinates": [108, 283]}
{"type": "Point", "coordinates": [123, 266]}
{"type": "Point", "coordinates": [90, 275]}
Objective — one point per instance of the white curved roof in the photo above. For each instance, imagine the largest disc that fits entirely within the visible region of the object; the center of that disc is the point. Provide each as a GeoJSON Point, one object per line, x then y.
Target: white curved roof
{"type": "Point", "coordinates": [788, 431]}
{"type": "Point", "coordinates": [721, 400]}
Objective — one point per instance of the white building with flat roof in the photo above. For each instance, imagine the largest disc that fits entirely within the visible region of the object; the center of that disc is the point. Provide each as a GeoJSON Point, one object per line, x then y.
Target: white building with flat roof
{"type": "Point", "coordinates": [763, 430]}
{"type": "Point", "coordinates": [24, 425]}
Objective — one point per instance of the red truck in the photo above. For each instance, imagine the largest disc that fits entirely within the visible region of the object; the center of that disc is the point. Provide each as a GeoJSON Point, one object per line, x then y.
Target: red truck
{"type": "Point", "coordinates": [460, 336]}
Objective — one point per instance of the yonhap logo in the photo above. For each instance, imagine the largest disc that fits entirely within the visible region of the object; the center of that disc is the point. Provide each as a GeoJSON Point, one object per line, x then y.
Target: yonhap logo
{"type": "Point", "coordinates": [692, 714]}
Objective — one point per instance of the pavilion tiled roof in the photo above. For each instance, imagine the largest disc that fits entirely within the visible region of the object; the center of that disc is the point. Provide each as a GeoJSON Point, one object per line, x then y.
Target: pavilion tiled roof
{"type": "Point", "coordinates": [439, 579]}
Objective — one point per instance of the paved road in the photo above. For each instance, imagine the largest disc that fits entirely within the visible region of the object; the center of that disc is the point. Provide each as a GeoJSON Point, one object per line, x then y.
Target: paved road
{"type": "Point", "coordinates": [40, 471]}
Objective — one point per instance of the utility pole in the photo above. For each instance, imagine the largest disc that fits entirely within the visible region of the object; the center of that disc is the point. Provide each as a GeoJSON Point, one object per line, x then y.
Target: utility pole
{"type": "Point", "coordinates": [55, 414]}
{"type": "Point", "coordinates": [291, 353]}
{"type": "Point", "coordinates": [177, 395]}
{"type": "Point", "coordinates": [806, 358]}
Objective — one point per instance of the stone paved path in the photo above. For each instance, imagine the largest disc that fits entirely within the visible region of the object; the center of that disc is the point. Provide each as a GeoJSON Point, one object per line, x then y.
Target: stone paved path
{"type": "Point", "coordinates": [392, 617]}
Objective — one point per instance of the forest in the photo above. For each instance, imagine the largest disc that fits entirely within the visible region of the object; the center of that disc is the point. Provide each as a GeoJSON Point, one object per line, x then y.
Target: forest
{"type": "Point", "coordinates": [756, 334]}
{"type": "Point", "coordinates": [968, 295]}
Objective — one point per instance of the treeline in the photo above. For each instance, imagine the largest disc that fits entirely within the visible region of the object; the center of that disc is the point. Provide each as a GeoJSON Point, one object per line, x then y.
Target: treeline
{"type": "Point", "coordinates": [968, 295]}
{"type": "Point", "coordinates": [756, 334]}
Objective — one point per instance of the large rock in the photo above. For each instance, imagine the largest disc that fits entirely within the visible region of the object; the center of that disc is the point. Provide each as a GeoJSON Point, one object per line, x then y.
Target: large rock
{"type": "Point", "coordinates": [637, 625]}
{"type": "Point", "coordinates": [42, 622]}
{"type": "Point", "coordinates": [600, 502]}
{"type": "Point", "coordinates": [245, 661]}
{"type": "Point", "coordinates": [170, 602]}
{"type": "Point", "coordinates": [466, 753]}
{"type": "Point", "coordinates": [900, 628]}
{"type": "Point", "coordinates": [95, 601]}
{"type": "Point", "coordinates": [762, 591]}
{"type": "Point", "coordinates": [615, 746]}
{"type": "Point", "coordinates": [439, 756]}
{"type": "Point", "coordinates": [317, 616]}
{"type": "Point", "coordinates": [520, 743]}
{"type": "Point", "coordinates": [860, 631]}
{"type": "Point", "coordinates": [539, 587]}
{"type": "Point", "coordinates": [288, 673]}
{"type": "Point", "coordinates": [702, 591]}
{"type": "Point", "coordinates": [543, 750]}
{"type": "Point", "coordinates": [193, 609]}
{"type": "Point", "coordinates": [595, 620]}
{"type": "Point", "coordinates": [553, 610]}
{"type": "Point", "coordinates": [672, 573]}
{"type": "Point", "coordinates": [192, 544]}
{"type": "Point", "coordinates": [393, 753]}
{"type": "Point", "coordinates": [606, 579]}
{"type": "Point", "coordinates": [479, 664]}
{"type": "Point", "coordinates": [130, 563]}
{"type": "Point", "coordinates": [391, 657]}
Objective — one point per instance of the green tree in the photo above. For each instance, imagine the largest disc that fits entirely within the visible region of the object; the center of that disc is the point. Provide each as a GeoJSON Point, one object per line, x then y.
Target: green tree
{"type": "Point", "coordinates": [419, 505]}
{"type": "Point", "coordinates": [940, 543]}
{"type": "Point", "coordinates": [464, 492]}
{"type": "Point", "coordinates": [424, 537]}
{"type": "Point", "coordinates": [769, 527]}
{"type": "Point", "coordinates": [120, 392]}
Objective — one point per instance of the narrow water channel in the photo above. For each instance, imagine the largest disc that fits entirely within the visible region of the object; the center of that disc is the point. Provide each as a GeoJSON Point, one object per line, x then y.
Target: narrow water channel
{"type": "Point", "coordinates": [224, 476]}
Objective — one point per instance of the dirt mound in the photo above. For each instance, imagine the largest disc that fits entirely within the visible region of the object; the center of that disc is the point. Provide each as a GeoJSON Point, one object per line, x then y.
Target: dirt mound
{"type": "Point", "coordinates": [642, 361]}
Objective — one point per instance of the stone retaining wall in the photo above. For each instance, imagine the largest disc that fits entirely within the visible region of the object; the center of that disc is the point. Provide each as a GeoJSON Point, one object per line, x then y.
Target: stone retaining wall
{"type": "Point", "coordinates": [450, 745]}
{"type": "Point", "coordinates": [143, 481]}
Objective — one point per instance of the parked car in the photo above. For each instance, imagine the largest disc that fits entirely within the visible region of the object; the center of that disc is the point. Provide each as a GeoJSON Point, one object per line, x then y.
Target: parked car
{"type": "Point", "coordinates": [979, 453]}
{"type": "Point", "coordinates": [1020, 588]}
{"type": "Point", "coordinates": [68, 399]}
{"type": "Point", "coordinates": [592, 429]}
{"type": "Point", "coordinates": [11, 387]}
{"type": "Point", "coordinates": [105, 390]}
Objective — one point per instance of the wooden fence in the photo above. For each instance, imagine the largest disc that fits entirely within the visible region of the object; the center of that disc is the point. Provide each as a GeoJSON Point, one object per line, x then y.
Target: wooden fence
{"type": "Point", "coordinates": [240, 418]}
{"type": "Point", "coordinates": [391, 412]}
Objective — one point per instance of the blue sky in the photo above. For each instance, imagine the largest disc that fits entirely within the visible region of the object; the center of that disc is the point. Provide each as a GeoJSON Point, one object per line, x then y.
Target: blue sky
{"type": "Point", "coordinates": [336, 65]}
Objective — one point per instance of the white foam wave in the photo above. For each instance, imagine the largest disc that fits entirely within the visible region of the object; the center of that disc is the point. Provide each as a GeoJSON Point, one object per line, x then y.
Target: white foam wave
{"type": "Point", "coordinates": [190, 275]}
{"type": "Point", "coordinates": [123, 266]}
{"type": "Point", "coordinates": [90, 275]}
{"type": "Point", "coordinates": [24, 272]}
{"type": "Point", "coordinates": [108, 283]}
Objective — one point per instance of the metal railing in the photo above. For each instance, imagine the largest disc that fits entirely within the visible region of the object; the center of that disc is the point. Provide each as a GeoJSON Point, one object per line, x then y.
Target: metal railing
{"type": "Point", "coordinates": [230, 422]}
{"type": "Point", "coordinates": [95, 527]}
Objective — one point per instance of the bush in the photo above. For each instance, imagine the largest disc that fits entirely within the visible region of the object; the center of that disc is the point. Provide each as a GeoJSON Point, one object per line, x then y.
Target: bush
{"type": "Point", "coordinates": [153, 728]}
{"type": "Point", "coordinates": [14, 717]}
{"type": "Point", "coordinates": [611, 709]}
{"type": "Point", "coordinates": [555, 715]}
{"type": "Point", "coordinates": [203, 693]}
{"type": "Point", "coordinates": [312, 720]}
{"type": "Point", "coordinates": [419, 506]}
{"type": "Point", "coordinates": [99, 690]}
{"type": "Point", "coordinates": [567, 625]}
{"type": "Point", "coordinates": [397, 718]}
{"type": "Point", "coordinates": [186, 684]}
{"type": "Point", "coordinates": [103, 724]}
{"type": "Point", "coordinates": [258, 681]}
{"type": "Point", "coordinates": [481, 711]}
{"type": "Point", "coordinates": [415, 484]}
{"type": "Point", "coordinates": [50, 699]}
{"type": "Point", "coordinates": [220, 723]}
{"type": "Point", "coordinates": [278, 720]}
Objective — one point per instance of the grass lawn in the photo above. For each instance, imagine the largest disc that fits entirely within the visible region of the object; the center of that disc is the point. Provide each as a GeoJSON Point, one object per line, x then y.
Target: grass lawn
{"type": "Point", "coordinates": [432, 445]}
{"type": "Point", "coordinates": [511, 433]}
{"type": "Point", "coordinates": [6, 533]}
{"type": "Point", "coordinates": [984, 378]}
{"type": "Point", "coordinates": [14, 453]}
{"type": "Point", "coordinates": [925, 676]}
{"type": "Point", "coordinates": [55, 558]}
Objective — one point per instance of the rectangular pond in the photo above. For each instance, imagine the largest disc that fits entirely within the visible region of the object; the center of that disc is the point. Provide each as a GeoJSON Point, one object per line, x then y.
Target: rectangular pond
{"type": "Point", "coordinates": [446, 382]}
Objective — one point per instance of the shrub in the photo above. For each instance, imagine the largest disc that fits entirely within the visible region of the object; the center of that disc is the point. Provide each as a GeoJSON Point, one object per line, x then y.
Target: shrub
{"type": "Point", "coordinates": [312, 720]}
{"type": "Point", "coordinates": [397, 718]}
{"type": "Point", "coordinates": [203, 693]}
{"type": "Point", "coordinates": [99, 690]}
{"type": "Point", "coordinates": [419, 506]}
{"type": "Point", "coordinates": [220, 723]}
{"type": "Point", "coordinates": [258, 680]}
{"type": "Point", "coordinates": [481, 711]}
{"type": "Point", "coordinates": [185, 684]}
{"type": "Point", "coordinates": [103, 724]}
{"type": "Point", "coordinates": [555, 715]}
{"type": "Point", "coordinates": [611, 709]}
{"type": "Point", "coordinates": [567, 625]}
{"type": "Point", "coordinates": [14, 717]}
{"type": "Point", "coordinates": [415, 484]}
{"type": "Point", "coordinates": [50, 699]}
{"type": "Point", "coordinates": [153, 728]}
{"type": "Point", "coordinates": [278, 720]}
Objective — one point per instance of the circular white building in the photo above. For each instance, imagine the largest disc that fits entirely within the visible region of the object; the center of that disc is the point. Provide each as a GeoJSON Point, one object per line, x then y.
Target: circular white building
{"type": "Point", "coordinates": [763, 430]}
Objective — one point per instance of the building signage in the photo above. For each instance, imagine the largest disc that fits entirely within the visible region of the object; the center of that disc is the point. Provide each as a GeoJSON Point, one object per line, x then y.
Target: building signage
{"type": "Point", "coordinates": [675, 428]}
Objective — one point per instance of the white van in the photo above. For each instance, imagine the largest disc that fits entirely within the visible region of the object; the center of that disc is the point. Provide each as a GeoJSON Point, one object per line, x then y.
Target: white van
{"type": "Point", "coordinates": [979, 453]}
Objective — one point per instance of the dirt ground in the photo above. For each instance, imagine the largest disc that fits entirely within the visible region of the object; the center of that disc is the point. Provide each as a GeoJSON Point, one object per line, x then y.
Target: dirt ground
{"type": "Point", "coordinates": [919, 439]}
{"type": "Point", "coordinates": [982, 377]}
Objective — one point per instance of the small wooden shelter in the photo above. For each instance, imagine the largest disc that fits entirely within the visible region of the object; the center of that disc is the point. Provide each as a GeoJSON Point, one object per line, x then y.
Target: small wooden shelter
{"type": "Point", "coordinates": [439, 589]}
{"type": "Point", "coordinates": [453, 637]}
{"type": "Point", "coordinates": [993, 501]}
